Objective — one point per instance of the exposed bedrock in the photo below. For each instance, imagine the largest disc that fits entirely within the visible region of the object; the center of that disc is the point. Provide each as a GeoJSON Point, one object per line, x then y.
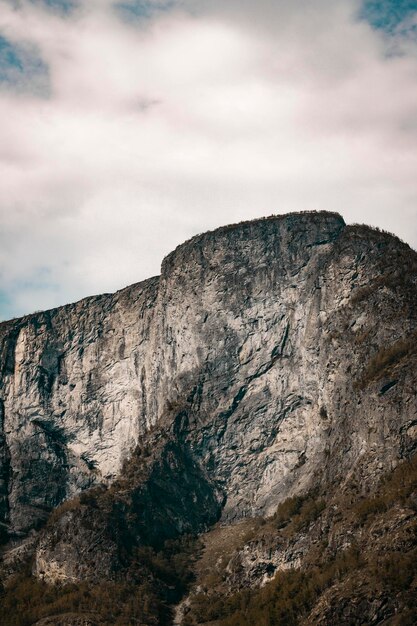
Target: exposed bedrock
{"type": "Point", "coordinates": [285, 345]}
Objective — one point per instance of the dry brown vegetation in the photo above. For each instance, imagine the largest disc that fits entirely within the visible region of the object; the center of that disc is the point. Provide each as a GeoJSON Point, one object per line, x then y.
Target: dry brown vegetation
{"type": "Point", "coordinates": [157, 578]}
{"type": "Point", "coordinates": [386, 570]}
{"type": "Point", "coordinates": [386, 359]}
{"type": "Point", "coordinates": [154, 582]}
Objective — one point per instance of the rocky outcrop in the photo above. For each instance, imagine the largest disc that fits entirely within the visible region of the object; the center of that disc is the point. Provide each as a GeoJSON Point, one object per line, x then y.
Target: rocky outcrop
{"type": "Point", "coordinates": [162, 493]}
{"type": "Point", "coordinates": [330, 557]}
{"type": "Point", "coordinates": [282, 349]}
{"type": "Point", "coordinates": [71, 398]}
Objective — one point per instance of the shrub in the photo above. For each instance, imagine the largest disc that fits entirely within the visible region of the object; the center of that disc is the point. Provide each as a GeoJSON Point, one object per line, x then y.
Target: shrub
{"type": "Point", "coordinates": [287, 510]}
{"type": "Point", "coordinates": [386, 358]}
{"type": "Point", "coordinates": [369, 507]}
{"type": "Point", "coordinates": [153, 581]}
{"type": "Point", "coordinates": [298, 512]}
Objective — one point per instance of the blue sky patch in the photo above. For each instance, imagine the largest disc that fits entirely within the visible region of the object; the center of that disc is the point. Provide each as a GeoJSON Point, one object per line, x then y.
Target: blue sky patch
{"type": "Point", "coordinates": [142, 9]}
{"type": "Point", "coordinates": [62, 6]}
{"type": "Point", "coordinates": [40, 288]}
{"type": "Point", "coordinates": [6, 306]}
{"type": "Point", "coordinates": [388, 15]}
{"type": "Point", "coordinates": [22, 69]}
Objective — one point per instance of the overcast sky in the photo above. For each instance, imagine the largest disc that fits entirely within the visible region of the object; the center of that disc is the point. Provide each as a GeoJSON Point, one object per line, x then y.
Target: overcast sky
{"type": "Point", "coordinates": [127, 127]}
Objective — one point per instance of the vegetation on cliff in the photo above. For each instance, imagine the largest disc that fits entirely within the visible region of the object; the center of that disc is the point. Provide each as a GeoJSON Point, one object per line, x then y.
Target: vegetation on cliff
{"type": "Point", "coordinates": [359, 567]}
{"type": "Point", "coordinates": [359, 561]}
{"type": "Point", "coordinates": [154, 581]}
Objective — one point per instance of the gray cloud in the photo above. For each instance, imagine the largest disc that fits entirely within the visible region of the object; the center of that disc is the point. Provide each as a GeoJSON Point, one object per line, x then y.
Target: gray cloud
{"type": "Point", "coordinates": [163, 120]}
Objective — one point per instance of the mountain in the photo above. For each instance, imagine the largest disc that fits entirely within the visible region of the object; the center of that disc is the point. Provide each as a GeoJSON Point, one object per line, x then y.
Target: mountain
{"type": "Point", "coordinates": [247, 416]}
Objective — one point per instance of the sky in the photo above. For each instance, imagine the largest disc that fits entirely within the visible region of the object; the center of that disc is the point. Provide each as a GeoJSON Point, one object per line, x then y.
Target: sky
{"type": "Point", "coordinates": [126, 127]}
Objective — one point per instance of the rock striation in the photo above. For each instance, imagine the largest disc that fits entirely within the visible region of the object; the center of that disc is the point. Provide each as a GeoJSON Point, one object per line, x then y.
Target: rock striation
{"type": "Point", "coordinates": [275, 355]}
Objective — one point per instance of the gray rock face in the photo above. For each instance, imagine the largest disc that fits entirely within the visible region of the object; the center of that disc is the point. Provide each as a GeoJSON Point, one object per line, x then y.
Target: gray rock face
{"type": "Point", "coordinates": [71, 398]}
{"type": "Point", "coordinates": [283, 344]}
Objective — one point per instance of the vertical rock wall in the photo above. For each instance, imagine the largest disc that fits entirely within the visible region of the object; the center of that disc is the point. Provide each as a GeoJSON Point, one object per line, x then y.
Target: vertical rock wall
{"type": "Point", "coordinates": [260, 335]}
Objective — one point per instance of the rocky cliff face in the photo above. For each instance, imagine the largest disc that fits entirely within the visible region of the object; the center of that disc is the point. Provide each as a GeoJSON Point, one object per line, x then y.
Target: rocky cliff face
{"type": "Point", "coordinates": [277, 353]}
{"type": "Point", "coordinates": [71, 398]}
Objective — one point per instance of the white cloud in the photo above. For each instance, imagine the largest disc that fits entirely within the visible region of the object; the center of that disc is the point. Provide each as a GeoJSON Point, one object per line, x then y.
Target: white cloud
{"type": "Point", "coordinates": [202, 115]}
